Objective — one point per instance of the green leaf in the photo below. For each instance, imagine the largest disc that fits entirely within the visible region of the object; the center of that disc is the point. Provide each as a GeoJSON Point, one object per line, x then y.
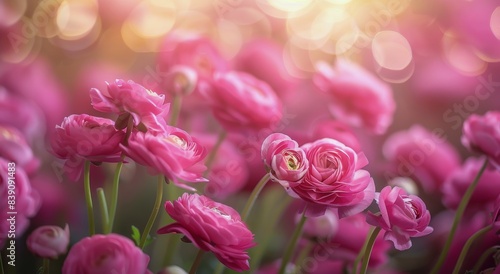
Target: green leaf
{"type": "Point", "coordinates": [136, 235]}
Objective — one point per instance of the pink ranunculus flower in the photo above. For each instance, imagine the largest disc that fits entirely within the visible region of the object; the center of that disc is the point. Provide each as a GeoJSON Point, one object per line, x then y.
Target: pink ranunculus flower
{"type": "Point", "coordinates": [481, 134]}
{"type": "Point", "coordinates": [422, 156]}
{"type": "Point", "coordinates": [84, 137]}
{"type": "Point", "coordinates": [336, 130]}
{"type": "Point", "coordinates": [358, 98]}
{"type": "Point", "coordinates": [274, 144]}
{"type": "Point", "coordinates": [211, 226]}
{"type": "Point", "coordinates": [129, 98]}
{"type": "Point", "coordinates": [13, 147]}
{"type": "Point", "coordinates": [48, 241]}
{"type": "Point", "coordinates": [111, 253]}
{"type": "Point", "coordinates": [180, 80]}
{"type": "Point", "coordinates": [241, 101]}
{"type": "Point", "coordinates": [401, 216]}
{"type": "Point", "coordinates": [335, 179]}
{"type": "Point", "coordinates": [485, 192]}
{"type": "Point", "coordinates": [325, 226]}
{"type": "Point", "coordinates": [174, 154]}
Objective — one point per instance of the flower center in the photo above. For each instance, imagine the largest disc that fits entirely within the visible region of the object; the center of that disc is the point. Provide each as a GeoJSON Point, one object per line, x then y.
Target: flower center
{"type": "Point", "coordinates": [152, 93]}
{"type": "Point", "coordinates": [7, 134]}
{"type": "Point", "coordinates": [291, 161]}
{"type": "Point", "coordinates": [223, 214]}
{"type": "Point", "coordinates": [413, 209]}
{"type": "Point", "coordinates": [176, 140]}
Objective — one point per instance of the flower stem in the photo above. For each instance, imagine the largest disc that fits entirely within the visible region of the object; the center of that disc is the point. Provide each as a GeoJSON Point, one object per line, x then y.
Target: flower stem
{"type": "Point", "coordinates": [458, 217]}
{"type": "Point", "coordinates": [362, 251]}
{"type": "Point", "coordinates": [176, 110]}
{"type": "Point", "coordinates": [485, 256]}
{"type": "Point", "coordinates": [253, 197]}
{"type": "Point", "coordinates": [1, 265]}
{"type": "Point", "coordinates": [154, 212]}
{"type": "Point", "coordinates": [368, 250]}
{"type": "Point", "coordinates": [46, 266]}
{"type": "Point", "coordinates": [303, 255]}
{"type": "Point", "coordinates": [114, 196]}
{"type": "Point", "coordinates": [104, 209]}
{"type": "Point", "coordinates": [196, 262]}
{"type": "Point", "coordinates": [291, 246]}
{"type": "Point", "coordinates": [467, 245]}
{"type": "Point", "coordinates": [211, 156]}
{"type": "Point", "coordinates": [88, 197]}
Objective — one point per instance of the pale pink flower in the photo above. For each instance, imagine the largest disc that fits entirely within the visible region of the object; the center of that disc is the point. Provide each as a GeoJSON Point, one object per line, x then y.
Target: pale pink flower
{"type": "Point", "coordinates": [422, 156]}
{"type": "Point", "coordinates": [48, 241]}
{"type": "Point", "coordinates": [180, 80]}
{"type": "Point", "coordinates": [174, 154]}
{"type": "Point", "coordinates": [335, 178]}
{"type": "Point", "coordinates": [13, 147]}
{"type": "Point", "coordinates": [129, 98]}
{"type": "Point", "coordinates": [481, 134]}
{"type": "Point", "coordinates": [211, 226]}
{"type": "Point", "coordinates": [111, 253]}
{"type": "Point", "coordinates": [401, 216]}
{"type": "Point", "coordinates": [358, 98]}
{"type": "Point", "coordinates": [84, 137]}
{"type": "Point", "coordinates": [240, 101]}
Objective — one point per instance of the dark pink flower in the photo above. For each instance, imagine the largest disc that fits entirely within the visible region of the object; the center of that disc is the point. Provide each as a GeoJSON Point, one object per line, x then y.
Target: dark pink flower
{"type": "Point", "coordinates": [174, 154]}
{"type": "Point", "coordinates": [421, 155]}
{"type": "Point", "coordinates": [13, 147]}
{"type": "Point", "coordinates": [127, 97]}
{"type": "Point", "coordinates": [358, 98]}
{"type": "Point", "coordinates": [211, 226]}
{"type": "Point", "coordinates": [48, 241]}
{"type": "Point", "coordinates": [481, 134]}
{"type": "Point", "coordinates": [111, 253]}
{"type": "Point", "coordinates": [485, 192]}
{"type": "Point", "coordinates": [84, 137]}
{"type": "Point", "coordinates": [335, 178]}
{"type": "Point", "coordinates": [240, 101]}
{"type": "Point", "coordinates": [401, 216]}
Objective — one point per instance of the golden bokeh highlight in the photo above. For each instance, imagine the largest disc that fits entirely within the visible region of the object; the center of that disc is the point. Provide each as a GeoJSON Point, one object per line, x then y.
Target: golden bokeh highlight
{"type": "Point", "coordinates": [462, 56]}
{"type": "Point", "coordinates": [391, 50]}
{"type": "Point", "coordinates": [76, 18]}
{"type": "Point", "coordinates": [495, 22]}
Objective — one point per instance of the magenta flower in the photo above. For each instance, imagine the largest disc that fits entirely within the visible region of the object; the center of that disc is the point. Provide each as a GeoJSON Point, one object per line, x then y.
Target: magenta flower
{"type": "Point", "coordinates": [358, 98]}
{"type": "Point", "coordinates": [48, 241]}
{"type": "Point", "coordinates": [240, 101]}
{"type": "Point", "coordinates": [422, 156]}
{"type": "Point", "coordinates": [481, 134]}
{"type": "Point", "coordinates": [13, 147]}
{"type": "Point", "coordinates": [401, 216]}
{"type": "Point", "coordinates": [111, 253]}
{"type": "Point", "coordinates": [128, 98]}
{"type": "Point", "coordinates": [335, 178]}
{"type": "Point", "coordinates": [211, 226]}
{"type": "Point", "coordinates": [84, 137]}
{"type": "Point", "coordinates": [174, 154]}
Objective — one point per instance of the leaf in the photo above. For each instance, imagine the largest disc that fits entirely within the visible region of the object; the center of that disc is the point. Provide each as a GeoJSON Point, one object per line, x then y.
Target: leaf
{"type": "Point", "coordinates": [136, 235]}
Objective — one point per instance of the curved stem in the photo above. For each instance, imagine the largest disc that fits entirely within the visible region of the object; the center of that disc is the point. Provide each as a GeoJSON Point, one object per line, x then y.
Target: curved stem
{"type": "Point", "coordinates": [467, 246]}
{"type": "Point", "coordinates": [211, 156]}
{"type": "Point", "coordinates": [303, 255]}
{"type": "Point", "coordinates": [46, 266]}
{"type": "Point", "coordinates": [196, 262]}
{"type": "Point", "coordinates": [104, 209]}
{"type": "Point", "coordinates": [368, 251]}
{"type": "Point", "coordinates": [253, 196]}
{"type": "Point", "coordinates": [458, 217]}
{"type": "Point", "coordinates": [88, 197]}
{"type": "Point", "coordinates": [485, 256]}
{"type": "Point", "coordinates": [1, 264]}
{"type": "Point", "coordinates": [362, 251]}
{"type": "Point", "coordinates": [154, 212]}
{"type": "Point", "coordinates": [114, 196]}
{"type": "Point", "coordinates": [176, 110]}
{"type": "Point", "coordinates": [291, 246]}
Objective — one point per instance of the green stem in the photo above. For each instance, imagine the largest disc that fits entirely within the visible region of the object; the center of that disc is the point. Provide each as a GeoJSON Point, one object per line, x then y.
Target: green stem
{"type": "Point", "coordinates": [368, 251]}
{"type": "Point", "coordinates": [362, 251]}
{"type": "Point", "coordinates": [291, 246]}
{"type": "Point", "coordinates": [196, 262]}
{"type": "Point", "coordinates": [172, 240]}
{"type": "Point", "coordinates": [253, 197]}
{"type": "Point", "coordinates": [219, 269]}
{"type": "Point", "coordinates": [88, 197]}
{"type": "Point", "coordinates": [458, 217]}
{"type": "Point", "coordinates": [485, 256]}
{"type": "Point", "coordinates": [1, 264]}
{"type": "Point", "coordinates": [176, 110]}
{"type": "Point", "coordinates": [104, 210]}
{"type": "Point", "coordinates": [154, 212]}
{"type": "Point", "coordinates": [467, 246]}
{"type": "Point", "coordinates": [46, 266]}
{"type": "Point", "coordinates": [303, 255]}
{"type": "Point", "coordinates": [211, 156]}
{"type": "Point", "coordinates": [114, 196]}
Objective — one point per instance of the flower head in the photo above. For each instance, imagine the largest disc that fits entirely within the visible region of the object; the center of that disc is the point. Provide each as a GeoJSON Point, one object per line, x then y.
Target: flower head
{"type": "Point", "coordinates": [481, 134]}
{"type": "Point", "coordinates": [401, 216]}
{"type": "Point", "coordinates": [13, 147]}
{"type": "Point", "coordinates": [48, 241]}
{"type": "Point", "coordinates": [111, 253]}
{"type": "Point", "coordinates": [211, 226]}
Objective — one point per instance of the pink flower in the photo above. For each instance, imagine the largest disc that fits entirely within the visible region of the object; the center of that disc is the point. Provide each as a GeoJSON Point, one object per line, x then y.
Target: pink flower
{"type": "Point", "coordinates": [84, 137]}
{"type": "Point", "coordinates": [485, 192]}
{"type": "Point", "coordinates": [336, 130]}
{"type": "Point", "coordinates": [335, 178]}
{"type": "Point", "coordinates": [174, 154]}
{"type": "Point", "coordinates": [13, 147]}
{"type": "Point", "coordinates": [211, 226]}
{"type": "Point", "coordinates": [324, 226]}
{"type": "Point", "coordinates": [111, 253]}
{"type": "Point", "coordinates": [421, 155]}
{"type": "Point", "coordinates": [240, 101]}
{"type": "Point", "coordinates": [274, 144]}
{"type": "Point", "coordinates": [180, 80]}
{"type": "Point", "coordinates": [401, 216]}
{"type": "Point", "coordinates": [128, 98]}
{"type": "Point", "coordinates": [358, 98]}
{"type": "Point", "coordinates": [48, 241]}
{"type": "Point", "coordinates": [481, 134]}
